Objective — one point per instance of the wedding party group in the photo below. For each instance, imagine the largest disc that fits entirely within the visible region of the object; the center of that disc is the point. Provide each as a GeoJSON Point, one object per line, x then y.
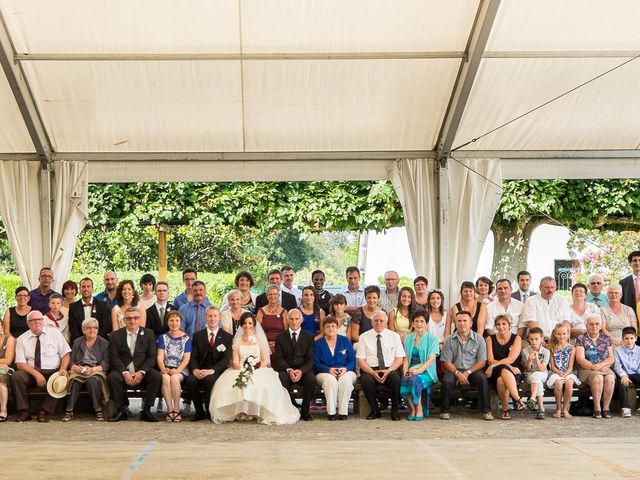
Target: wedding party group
{"type": "Point", "coordinates": [269, 357]}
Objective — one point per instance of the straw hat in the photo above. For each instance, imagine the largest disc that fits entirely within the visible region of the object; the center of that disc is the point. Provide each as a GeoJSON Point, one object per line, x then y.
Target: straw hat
{"type": "Point", "coordinates": [57, 385]}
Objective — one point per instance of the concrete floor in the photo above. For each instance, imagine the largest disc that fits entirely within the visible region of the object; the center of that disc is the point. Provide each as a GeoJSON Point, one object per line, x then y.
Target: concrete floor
{"type": "Point", "coordinates": [465, 447]}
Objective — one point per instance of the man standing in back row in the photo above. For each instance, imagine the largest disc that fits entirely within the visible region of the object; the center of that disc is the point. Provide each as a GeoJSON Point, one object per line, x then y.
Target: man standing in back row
{"type": "Point", "coordinates": [631, 284]}
{"type": "Point", "coordinates": [523, 293]}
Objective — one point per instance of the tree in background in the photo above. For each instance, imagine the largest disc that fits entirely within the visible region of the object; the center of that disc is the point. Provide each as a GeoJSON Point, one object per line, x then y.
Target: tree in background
{"type": "Point", "coordinates": [577, 204]}
{"type": "Point", "coordinates": [223, 227]}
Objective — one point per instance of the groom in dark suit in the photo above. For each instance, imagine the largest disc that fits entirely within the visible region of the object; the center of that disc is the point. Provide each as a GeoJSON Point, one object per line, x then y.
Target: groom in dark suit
{"type": "Point", "coordinates": [294, 352]}
{"type": "Point", "coordinates": [88, 307]}
{"type": "Point", "coordinates": [210, 356]}
{"type": "Point", "coordinates": [132, 355]}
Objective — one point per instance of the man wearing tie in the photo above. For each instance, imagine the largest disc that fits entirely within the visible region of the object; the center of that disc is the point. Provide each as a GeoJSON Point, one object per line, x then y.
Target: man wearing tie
{"type": "Point", "coordinates": [193, 312]}
{"type": "Point", "coordinates": [523, 293]}
{"type": "Point", "coordinates": [88, 307]}
{"type": "Point", "coordinates": [210, 356]}
{"type": "Point", "coordinates": [380, 354]}
{"type": "Point", "coordinates": [294, 350]}
{"type": "Point", "coordinates": [157, 312]}
{"type": "Point", "coordinates": [132, 355]}
{"type": "Point", "coordinates": [631, 284]}
{"type": "Point", "coordinates": [40, 352]}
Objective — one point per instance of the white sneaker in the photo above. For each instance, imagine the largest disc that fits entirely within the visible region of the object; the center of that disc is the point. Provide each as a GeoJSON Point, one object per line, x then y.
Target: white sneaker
{"type": "Point", "coordinates": [626, 413]}
{"type": "Point", "coordinates": [445, 416]}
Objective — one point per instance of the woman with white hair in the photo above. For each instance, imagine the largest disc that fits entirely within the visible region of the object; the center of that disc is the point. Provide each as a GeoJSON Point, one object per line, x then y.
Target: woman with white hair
{"type": "Point", "coordinates": [89, 366]}
{"type": "Point", "coordinates": [616, 315]}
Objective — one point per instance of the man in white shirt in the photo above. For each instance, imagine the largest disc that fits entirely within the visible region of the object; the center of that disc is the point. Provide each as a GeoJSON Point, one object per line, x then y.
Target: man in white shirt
{"type": "Point", "coordinates": [523, 293]}
{"type": "Point", "coordinates": [547, 309]}
{"type": "Point", "coordinates": [40, 352]}
{"type": "Point", "coordinates": [504, 303]}
{"type": "Point", "coordinates": [380, 355]}
{"type": "Point", "coordinates": [287, 284]}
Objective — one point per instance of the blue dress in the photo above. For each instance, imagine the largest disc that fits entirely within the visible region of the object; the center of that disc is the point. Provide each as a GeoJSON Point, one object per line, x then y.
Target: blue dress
{"type": "Point", "coordinates": [310, 323]}
{"type": "Point", "coordinates": [415, 385]}
{"type": "Point", "coordinates": [174, 350]}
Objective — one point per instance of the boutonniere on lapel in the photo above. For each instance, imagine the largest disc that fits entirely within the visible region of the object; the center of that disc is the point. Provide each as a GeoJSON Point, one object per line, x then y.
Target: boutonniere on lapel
{"type": "Point", "coordinates": [221, 348]}
{"type": "Point", "coordinates": [94, 310]}
{"type": "Point", "coordinates": [141, 332]}
{"type": "Point", "coordinates": [343, 351]}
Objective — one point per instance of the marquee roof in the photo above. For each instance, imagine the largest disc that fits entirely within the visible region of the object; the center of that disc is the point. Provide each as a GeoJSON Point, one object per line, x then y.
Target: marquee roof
{"type": "Point", "coordinates": [319, 89]}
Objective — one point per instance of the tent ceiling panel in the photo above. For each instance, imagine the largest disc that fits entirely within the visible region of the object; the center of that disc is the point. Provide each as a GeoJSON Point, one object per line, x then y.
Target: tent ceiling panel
{"type": "Point", "coordinates": [550, 25]}
{"type": "Point", "coordinates": [139, 106]}
{"type": "Point", "coordinates": [346, 105]}
{"type": "Point", "coordinates": [122, 26]}
{"type": "Point", "coordinates": [604, 114]}
{"type": "Point", "coordinates": [14, 137]}
{"type": "Point", "coordinates": [356, 25]}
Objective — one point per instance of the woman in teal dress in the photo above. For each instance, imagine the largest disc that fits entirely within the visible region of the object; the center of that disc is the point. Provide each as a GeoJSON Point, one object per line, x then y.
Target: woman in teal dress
{"type": "Point", "coordinates": [419, 368]}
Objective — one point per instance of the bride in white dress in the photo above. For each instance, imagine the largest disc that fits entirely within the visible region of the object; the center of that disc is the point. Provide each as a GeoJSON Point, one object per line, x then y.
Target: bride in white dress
{"type": "Point", "coordinates": [263, 397]}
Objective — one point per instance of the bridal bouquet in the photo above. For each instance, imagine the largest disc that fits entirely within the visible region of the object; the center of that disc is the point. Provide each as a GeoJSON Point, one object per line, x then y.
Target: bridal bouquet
{"type": "Point", "coordinates": [246, 372]}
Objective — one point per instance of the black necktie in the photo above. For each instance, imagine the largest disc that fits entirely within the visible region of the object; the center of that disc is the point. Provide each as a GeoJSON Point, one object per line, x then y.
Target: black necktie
{"type": "Point", "coordinates": [37, 357]}
{"type": "Point", "coordinates": [379, 353]}
{"type": "Point", "coordinates": [294, 340]}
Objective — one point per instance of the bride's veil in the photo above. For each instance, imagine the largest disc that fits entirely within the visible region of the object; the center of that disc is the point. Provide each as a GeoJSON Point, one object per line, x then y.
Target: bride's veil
{"type": "Point", "coordinates": [260, 339]}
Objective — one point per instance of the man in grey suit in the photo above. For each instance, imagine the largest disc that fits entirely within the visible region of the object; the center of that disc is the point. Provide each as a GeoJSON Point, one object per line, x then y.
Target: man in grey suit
{"type": "Point", "coordinates": [523, 292]}
{"type": "Point", "coordinates": [132, 355]}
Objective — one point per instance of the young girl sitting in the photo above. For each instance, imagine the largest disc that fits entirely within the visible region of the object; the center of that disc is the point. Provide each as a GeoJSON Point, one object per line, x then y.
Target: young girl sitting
{"type": "Point", "coordinates": [562, 378]}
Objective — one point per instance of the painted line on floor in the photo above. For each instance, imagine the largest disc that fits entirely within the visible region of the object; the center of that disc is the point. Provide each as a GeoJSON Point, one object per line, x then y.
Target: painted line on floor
{"type": "Point", "coordinates": [139, 460]}
{"type": "Point", "coordinates": [441, 460]}
{"type": "Point", "coordinates": [618, 469]}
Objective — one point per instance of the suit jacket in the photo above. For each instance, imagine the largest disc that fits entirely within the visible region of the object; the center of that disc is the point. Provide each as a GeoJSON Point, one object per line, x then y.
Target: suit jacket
{"type": "Point", "coordinates": [628, 292]}
{"type": "Point", "coordinates": [517, 296]}
{"type": "Point", "coordinates": [99, 311]}
{"type": "Point", "coordinates": [154, 322]}
{"type": "Point", "coordinates": [299, 357]}
{"type": "Point", "coordinates": [203, 358]}
{"type": "Point", "coordinates": [289, 301]}
{"type": "Point", "coordinates": [144, 356]}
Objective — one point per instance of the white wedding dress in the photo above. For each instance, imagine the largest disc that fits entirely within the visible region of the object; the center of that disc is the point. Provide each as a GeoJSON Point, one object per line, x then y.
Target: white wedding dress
{"type": "Point", "coordinates": [264, 396]}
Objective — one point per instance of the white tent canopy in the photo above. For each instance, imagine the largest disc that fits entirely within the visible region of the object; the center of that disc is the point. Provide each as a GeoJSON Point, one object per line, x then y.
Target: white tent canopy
{"type": "Point", "coordinates": [224, 90]}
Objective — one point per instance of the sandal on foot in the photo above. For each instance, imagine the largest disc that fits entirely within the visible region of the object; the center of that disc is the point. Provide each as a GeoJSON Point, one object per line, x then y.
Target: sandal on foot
{"type": "Point", "coordinates": [606, 414]}
{"type": "Point", "coordinates": [505, 415]}
{"type": "Point", "coordinates": [3, 418]}
{"type": "Point", "coordinates": [597, 414]}
{"type": "Point", "coordinates": [519, 404]}
{"type": "Point", "coordinates": [171, 416]}
{"type": "Point", "coordinates": [177, 418]}
{"type": "Point", "coordinates": [68, 416]}
{"type": "Point", "coordinates": [540, 416]}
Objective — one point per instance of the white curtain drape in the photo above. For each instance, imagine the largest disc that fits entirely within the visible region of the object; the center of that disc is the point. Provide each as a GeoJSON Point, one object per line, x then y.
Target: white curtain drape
{"type": "Point", "coordinates": [20, 211]}
{"type": "Point", "coordinates": [70, 186]}
{"type": "Point", "coordinates": [20, 207]}
{"type": "Point", "coordinates": [474, 197]}
{"type": "Point", "coordinates": [415, 183]}
{"type": "Point", "coordinates": [472, 201]}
